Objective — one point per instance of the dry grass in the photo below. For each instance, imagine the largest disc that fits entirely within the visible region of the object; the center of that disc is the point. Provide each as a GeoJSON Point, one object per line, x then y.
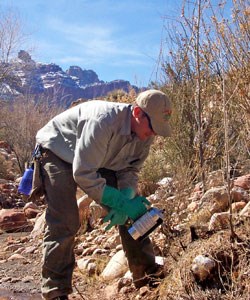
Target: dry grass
{"type": "Point", "coordinates": [230, 279]}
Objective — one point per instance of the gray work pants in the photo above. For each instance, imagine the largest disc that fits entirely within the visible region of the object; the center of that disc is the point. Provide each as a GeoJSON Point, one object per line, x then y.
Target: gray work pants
{"type": "Point", "coordinates": [62, 220]}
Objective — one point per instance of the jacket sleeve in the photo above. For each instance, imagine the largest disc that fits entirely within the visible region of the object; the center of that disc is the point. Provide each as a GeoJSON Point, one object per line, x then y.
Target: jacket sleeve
{"type": "Point", "coordinates": [91, 145]}
{"type": "Point", "coordinates": [128, 177]}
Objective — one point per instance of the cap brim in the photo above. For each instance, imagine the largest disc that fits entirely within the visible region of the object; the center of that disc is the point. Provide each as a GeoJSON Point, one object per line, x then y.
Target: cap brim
{"type": "Point", "coordinates": [161, 128]}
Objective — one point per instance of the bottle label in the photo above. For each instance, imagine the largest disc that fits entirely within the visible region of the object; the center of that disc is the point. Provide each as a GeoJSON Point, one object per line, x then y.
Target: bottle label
{"type": "Point", "coordinates": [145, 223]}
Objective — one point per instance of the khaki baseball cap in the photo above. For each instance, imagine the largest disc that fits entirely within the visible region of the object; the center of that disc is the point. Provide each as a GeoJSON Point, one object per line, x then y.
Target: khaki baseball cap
{"type": "Point", "coordinates": [158, 107]}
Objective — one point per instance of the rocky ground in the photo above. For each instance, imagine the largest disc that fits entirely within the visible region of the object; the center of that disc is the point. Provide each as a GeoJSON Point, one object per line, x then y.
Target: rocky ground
{"type": "Point", "coordinates": [205, 251]}
{"type": "Point", "coordinates": [20, 262]}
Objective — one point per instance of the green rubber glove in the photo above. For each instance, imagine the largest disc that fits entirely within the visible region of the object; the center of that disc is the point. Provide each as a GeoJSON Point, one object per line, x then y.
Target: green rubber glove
{"type": "Point", "coordinates": [115, 199]}
{"type": "Point", "coordinates": [128, 192]}
{"type": "Point", "coordinates": [136, 207]}
{"type": "Point", "coordinates": [115, 218]}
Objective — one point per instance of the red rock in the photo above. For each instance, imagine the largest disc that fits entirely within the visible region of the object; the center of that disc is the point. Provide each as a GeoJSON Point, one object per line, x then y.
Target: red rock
{"type": "Point", "coordinates": [243, 182]}
{"type": "Point", "coordinates": [239, 194]}
{"type": "Point", "coordinates": [12, 219]}
{"type": "Point", "coordinates": [237, 206]}
{"type": "Point", "coordinates": [31, 213]}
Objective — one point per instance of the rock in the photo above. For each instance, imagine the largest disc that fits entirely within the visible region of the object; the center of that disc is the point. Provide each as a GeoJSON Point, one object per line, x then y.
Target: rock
{"type": "Point", "coordinates": [128, 275]}
{"type": "Point", "coordinates": [30, 249]}
{"type": "Point", "coordinates": [166, 181]}
{"type": "Point", "coordinates": [215, 200]}
{"type": "Point", "coordinates": [124, 282]}
{"type": "Point", "coordinates": [20, 250]}
{"type": "Point", "coordinates": [99, 240]}
{"type": "Point", "coordinates": [110, 292]}
{"type": "Point", "coordinates": [237, 206]}
{"type": "Point", "coordinates": [89, 212]}
{"type": "Point", "coordinates": [85, 77]}
{"type": "Point", "coordinates": [118, 247]}
{"type": "Point", "coordinates": [43, 79]}
{"type": "Point", "coordinates": [202, 267]}
{"type": "Point", "coordinates": [116, 267]}
{"type": "Point", "coordinates": [89, 250]}
{"type": "Point", "coordinates": [143, 291]}
{"type": "Point", "coordinates": [238, 194]}
{"type": "Point", "coordinates": [13, 247]}
{"type": "Point", "coordinates": [9, 197]}
{"type": "Point", "coordinates": [82, 263]}
{"type": "Point", "coordinates": [16, 256]}
{"type": "Point", "coordinates": [12, 219]}
{"type": "Point", "coordinates": [31, 213]}
{"type": "Point", "coordinates": [39, 226]}
{"type": "Point", "coordinates": [126, 289]}
{"type": "Point", "coordinates": [30, 205]}
{"type": "Point", "coordinates": [28, 279]}
{"type": "Point", "coordinates": [15, 279]}
{"type": "Point", "coordinates": [219, 221]}
{"type": "Point", "coordinates": [245, 211]}
{"type": "Point", "coordinates": [100, 251]}
{"type": "Point", "coordinates": [112, 242]}
{"type": "Point", "coordinates": [96, 212]}
{"type": "Point", "coordinates": [83, 207]}
{"type": "Point", "coordinates": [5, 279]}
{"type": "Point", "coordinates": [91, 268]}
{"type": "Point", "coordinates": [243, 182]}
{"type": "Point", "coordinates": [198, 187]}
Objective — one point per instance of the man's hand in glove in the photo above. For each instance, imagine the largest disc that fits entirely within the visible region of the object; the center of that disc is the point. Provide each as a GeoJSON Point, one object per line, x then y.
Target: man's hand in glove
{"type": "Point", "coordinates": [122, 206]}
{"type": "Point", "coordinates": [136, 207]}
{"type": "Point", "coordinates": [115, 218]}
{"type": "Point", "coordinates": [139, 201]}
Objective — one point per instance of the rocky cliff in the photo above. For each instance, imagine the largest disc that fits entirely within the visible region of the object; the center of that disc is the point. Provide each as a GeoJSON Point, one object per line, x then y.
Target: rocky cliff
{"type": "Point", "coordinates": [50, 82]}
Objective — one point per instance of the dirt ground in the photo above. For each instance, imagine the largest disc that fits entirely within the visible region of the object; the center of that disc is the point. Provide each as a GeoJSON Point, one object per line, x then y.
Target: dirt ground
{"type": "Point", "coordinates": [20, 273]}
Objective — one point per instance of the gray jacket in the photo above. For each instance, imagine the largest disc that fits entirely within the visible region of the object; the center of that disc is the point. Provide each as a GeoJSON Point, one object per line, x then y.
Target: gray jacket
{"type": "Point", "coordinates": [93, 135]}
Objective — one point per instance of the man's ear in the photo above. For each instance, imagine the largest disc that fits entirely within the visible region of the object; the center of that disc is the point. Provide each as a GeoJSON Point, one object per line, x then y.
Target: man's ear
{"type": "Point", "coordinates": [137, 112]}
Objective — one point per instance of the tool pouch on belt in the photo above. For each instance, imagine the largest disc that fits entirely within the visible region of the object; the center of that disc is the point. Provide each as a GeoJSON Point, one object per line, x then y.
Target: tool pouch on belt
{"type": "Point", "coordinates": [37, 190]}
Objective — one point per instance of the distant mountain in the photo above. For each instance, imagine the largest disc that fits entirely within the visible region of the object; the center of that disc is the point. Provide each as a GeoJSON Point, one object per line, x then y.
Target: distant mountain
{"type": "Point", "coordinates": [24, 76]}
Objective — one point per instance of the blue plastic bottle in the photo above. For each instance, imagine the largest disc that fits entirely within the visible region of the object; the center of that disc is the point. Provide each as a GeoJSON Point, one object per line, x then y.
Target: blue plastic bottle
{"type": "Point", "coordinates": [25, 185]}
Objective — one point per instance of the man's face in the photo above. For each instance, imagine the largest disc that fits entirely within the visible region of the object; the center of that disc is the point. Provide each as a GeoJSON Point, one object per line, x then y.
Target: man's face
{"type": "Point", "coordinates": [142, 125]}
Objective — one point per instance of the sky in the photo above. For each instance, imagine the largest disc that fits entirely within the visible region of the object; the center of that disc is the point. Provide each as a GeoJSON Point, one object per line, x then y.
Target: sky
{"type": "Point", "coordinates": [118, 39]}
